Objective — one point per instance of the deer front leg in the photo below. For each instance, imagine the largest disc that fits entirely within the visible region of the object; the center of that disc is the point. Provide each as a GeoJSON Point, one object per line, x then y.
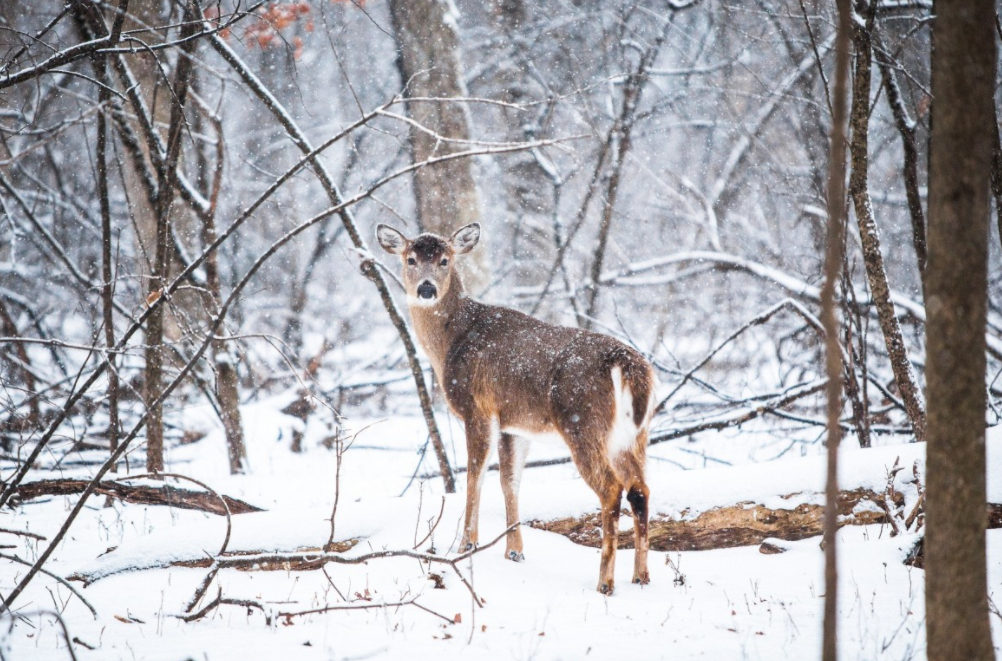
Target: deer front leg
{"type": "Point", "coordinates": [481, 434]}
{"type": "Point", "coordinates": [511, 459]}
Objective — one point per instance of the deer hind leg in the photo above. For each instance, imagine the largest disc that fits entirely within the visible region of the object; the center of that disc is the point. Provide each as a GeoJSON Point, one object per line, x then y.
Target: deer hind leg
{"type": "Point", "coordinates": [629, 465]}
{"type": "Point", "coordinates": [481, 435]}
{"type": "Point", "coordinates": [600, 476]}
{"type": "Point", "coordinates": [638, 496]}
{"type": "Point", "coordinates": [610, 499]}
{"type": "Point", "coordinates": [511, 458]}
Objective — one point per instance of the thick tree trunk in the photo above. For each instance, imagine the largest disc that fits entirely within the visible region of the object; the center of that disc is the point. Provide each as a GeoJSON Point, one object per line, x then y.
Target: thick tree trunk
{"type": "Point", "coordinates": [873, 260]}
{"type": "Point", "coordinates": [430, 66]}
{"type": "Point", "coordinates": [963, 76]}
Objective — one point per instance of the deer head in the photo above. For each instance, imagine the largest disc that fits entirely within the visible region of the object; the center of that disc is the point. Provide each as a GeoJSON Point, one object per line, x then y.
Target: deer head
{"type": "Point", "coordinates": [428, 269]}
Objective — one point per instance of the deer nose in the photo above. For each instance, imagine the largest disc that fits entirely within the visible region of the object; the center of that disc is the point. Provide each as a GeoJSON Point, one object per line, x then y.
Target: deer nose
{"type": "Point", "coordinates": [426, 290]}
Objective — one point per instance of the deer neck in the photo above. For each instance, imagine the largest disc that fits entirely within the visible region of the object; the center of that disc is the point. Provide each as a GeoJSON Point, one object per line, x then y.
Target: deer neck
{"type": "Point", "coordinates": [437, 327]}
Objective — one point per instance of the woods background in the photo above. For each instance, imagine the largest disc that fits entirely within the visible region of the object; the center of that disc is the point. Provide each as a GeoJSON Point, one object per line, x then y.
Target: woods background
{"type": "Point", "coordinates": [652, 170]}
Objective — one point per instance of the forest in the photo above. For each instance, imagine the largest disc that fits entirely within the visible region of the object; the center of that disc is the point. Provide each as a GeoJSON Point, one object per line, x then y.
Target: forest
{"type": "Point", "coordinates": [224, 425]}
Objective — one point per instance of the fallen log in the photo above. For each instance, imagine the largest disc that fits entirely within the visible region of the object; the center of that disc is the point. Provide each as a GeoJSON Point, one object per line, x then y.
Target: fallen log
{"type": "Point", "coordinates": [305, 559]}
{"type": "Point", "coordinates": [741, 524]}
{"type": "Point", "coordinates": [135, 493]}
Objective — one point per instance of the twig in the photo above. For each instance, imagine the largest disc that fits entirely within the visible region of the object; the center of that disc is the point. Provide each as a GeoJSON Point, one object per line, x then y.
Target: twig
{"type": "Point", "coordinates": [23, 533]}
{"type": "Point", "coordinates": [62, 581]}
{"type": "Point", "coordinates": [792, 395]}
{"type": "Point", "coordinates": [220, 601]}
{"type": "Point", "coordinates": [202, 588]}
{"type": "Point", "coordinates": [222, 499]}
{"type": "Point", "coordinates": [351, 607]}
{"type": "Point", "coordinates": [441, 511]}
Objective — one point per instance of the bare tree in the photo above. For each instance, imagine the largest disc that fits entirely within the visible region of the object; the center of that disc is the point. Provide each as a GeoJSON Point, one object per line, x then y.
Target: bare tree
{"type": "Point", "coordinates": [166, 181]}
{"type": "Point", "coordinates": [873, 259]}
{"type": "Point", "coordinates": [834, 256]}
{"type": "Point", "coordinates": [963, 76]}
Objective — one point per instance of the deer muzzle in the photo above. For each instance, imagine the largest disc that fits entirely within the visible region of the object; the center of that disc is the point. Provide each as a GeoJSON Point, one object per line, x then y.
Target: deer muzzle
{"type": "Point", "coordinates": [427, 291]}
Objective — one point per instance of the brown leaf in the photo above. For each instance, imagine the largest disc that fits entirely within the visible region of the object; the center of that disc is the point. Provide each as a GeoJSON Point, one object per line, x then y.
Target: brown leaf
{"type": "Point", "coordinates": [457, 619]}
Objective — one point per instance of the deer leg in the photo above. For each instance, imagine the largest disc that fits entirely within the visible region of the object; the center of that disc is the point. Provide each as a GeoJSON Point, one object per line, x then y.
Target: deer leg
{"type": "Point", "coordinates": [599, 474]}
{"type": "Point", "coordinates": [610, 498]}
{"type": "Point", "coordinates": [638, 496]}
{"type": "Point", "coordinates": [511, 458]}
{"type": "Point", "coordinates": [481, 434]}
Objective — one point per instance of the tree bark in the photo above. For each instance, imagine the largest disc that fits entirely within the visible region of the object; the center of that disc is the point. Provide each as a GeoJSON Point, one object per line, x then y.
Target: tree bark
{"type": "Point", "coordinates": [167, 495]}
{"type": "Point", "coordinates": [429, 61]}
{"type": "Point", "coordinates": [749, 523]}
{"type": "Point", "coordinates": [22, 363]}
{"type": "Point", "coordinates": [963, 77]}
{"type": "Point", "coordinates": [223, 357]}
{"type": "Point", "coordinates": [834, 250]}
{"type": "Point", "coordinates": [167, 179]}
{"type": "Point", "coordinates": [873, 260]}
{"type": "Point", "coordinates": [107, 288]}
{"type": "Point", "coordinates": [997, 171]}
{"type": "Point", "coordinates": [906, 128]}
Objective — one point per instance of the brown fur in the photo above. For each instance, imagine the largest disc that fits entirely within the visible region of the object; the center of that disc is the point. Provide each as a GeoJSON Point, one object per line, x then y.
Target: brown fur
{"type": "Point", "coordinates": [497, 363]}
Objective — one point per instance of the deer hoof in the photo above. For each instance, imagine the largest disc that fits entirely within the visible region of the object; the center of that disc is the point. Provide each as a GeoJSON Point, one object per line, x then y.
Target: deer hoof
{"type": "Point", "coordinates": [515, 556]}
{"type": "Point", "coordinates": [605, 588]}
{"type": "Point", "coordinates": [469, 547]}
{"type": "Point", "coordinates": [642, 579]}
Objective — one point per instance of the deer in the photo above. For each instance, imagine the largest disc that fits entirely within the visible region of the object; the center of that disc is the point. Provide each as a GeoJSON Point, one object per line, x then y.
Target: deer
{"type": "Point", "coordinates": [513, 379]}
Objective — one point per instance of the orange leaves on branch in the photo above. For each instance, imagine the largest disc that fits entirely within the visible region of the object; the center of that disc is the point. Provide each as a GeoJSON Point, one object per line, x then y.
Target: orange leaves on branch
{"type": "Point", "coordinates": [211, 14]}
{"type": "Point", "coordinates": [275, 18]}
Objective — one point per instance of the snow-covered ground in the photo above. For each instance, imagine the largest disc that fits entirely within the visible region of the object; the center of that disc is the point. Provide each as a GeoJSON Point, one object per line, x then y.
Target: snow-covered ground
{"type": "Point", "coordinates": [725, 604]}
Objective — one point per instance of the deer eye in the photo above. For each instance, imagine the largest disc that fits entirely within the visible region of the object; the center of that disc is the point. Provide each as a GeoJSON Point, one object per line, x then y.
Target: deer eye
{"type": "Point", "coordinates": [411, 261]}
{"type": "Point", "coordinates": [445, 262]}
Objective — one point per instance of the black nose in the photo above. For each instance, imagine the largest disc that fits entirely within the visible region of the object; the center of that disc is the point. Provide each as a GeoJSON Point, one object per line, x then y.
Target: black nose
{"type": "Point", "coordinates": [426, 290]}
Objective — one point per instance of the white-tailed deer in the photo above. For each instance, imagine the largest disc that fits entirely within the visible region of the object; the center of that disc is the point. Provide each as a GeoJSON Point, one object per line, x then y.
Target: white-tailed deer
{"type": "Point", "coordinates": [512, 378]}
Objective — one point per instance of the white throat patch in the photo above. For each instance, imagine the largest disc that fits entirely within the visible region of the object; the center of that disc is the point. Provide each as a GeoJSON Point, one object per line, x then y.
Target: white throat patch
{"type": "Point", "coordinates": [419, 302]}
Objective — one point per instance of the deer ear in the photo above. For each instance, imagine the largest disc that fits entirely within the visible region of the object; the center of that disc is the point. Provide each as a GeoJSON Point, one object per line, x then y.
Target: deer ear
{"type": "Point", "coordinates": [392, 241]}
{"type": "Point", "coordinates": [465, 238]}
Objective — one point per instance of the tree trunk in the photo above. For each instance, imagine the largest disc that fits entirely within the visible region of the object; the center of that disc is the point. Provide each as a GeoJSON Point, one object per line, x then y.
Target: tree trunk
{"type": "Point", "coordinates": [223, 358]}
{"type": "Point", "coordinates": [837, 213]}
{"type": "Point", "coordinates": [963, 77]}
{"type": "Point", "coordinates": [161, 267]}
{"type": "Point", "coordinates": [107, 285]}
{"type": "Point", "coordinates": [873, 260]}
{"type": "Point", "coordinates": [20, 363]}
{"type": "Point", "coordinates": [906, 128]}
{"type": "Point", "coordinates": [429, 62]}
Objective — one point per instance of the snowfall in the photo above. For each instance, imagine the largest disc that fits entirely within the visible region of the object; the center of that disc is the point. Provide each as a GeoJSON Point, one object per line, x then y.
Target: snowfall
{"type": "Point", "coordinates": [720, 604]}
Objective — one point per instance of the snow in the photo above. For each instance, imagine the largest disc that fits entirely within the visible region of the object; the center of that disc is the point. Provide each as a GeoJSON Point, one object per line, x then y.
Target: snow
{"type": "Point", "coordinates": [732, 604]}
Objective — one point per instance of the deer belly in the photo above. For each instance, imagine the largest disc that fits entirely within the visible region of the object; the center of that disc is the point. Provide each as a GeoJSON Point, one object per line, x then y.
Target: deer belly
{"type": "Point", "coordinates": [534, 436]}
